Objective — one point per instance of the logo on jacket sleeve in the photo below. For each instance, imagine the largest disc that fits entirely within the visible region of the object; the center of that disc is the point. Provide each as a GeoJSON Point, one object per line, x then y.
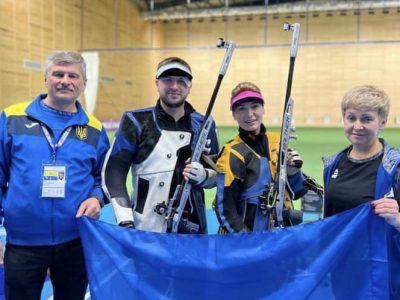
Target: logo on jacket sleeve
{"type": "Point", "coordinates": [82, 132]}
{"type": "Point", "coordinates": [30, 125]}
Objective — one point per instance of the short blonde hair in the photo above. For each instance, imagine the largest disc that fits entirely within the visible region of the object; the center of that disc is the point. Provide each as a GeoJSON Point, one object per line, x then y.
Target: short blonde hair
{"type": "Point", "coordinates": [367, 97]}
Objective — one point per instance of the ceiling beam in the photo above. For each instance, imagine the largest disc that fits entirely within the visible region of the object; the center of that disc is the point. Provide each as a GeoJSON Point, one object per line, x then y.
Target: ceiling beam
{"type": "Point", "coordinates": [273, 9]}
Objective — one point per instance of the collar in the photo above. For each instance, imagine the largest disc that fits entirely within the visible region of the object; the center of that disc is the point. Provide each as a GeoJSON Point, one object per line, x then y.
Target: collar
{"type": "Point", "coordinates": [249, 136]}
{"type": "Point", "coordinates": [257, 142]}
{"type": "Point", "coordinates": [160, 112]}
{"type": "Point", "coordinates": [34, 110]}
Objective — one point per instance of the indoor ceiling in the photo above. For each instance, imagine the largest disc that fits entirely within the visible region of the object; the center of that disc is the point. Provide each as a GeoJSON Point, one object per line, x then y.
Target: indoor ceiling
{"type": "Point", "coordinates": [187, 9]}
{"type": "Point", "coordinates": [171, 5]}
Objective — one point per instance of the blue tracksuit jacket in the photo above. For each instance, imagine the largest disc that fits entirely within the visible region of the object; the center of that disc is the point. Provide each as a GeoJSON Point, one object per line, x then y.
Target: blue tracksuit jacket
{"type": "Point", "coordinates": [29, 218]}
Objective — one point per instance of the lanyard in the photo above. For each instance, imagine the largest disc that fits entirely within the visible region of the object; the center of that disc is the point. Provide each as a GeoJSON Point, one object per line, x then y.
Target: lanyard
{"type": "Point", "coordinates": [60, 142]}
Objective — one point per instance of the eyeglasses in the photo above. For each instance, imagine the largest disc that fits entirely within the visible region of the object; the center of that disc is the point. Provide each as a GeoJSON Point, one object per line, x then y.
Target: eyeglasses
{"type": "Point", "coordinates": [180, 81]}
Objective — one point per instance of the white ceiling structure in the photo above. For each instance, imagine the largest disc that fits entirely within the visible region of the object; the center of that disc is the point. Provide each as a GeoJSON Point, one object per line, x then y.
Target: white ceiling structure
{"type": "Point", "coordinates": [190, 9]}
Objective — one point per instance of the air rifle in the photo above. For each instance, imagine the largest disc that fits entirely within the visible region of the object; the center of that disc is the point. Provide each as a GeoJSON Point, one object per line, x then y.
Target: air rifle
{"type": "Point", "coordinates": [177, 203]}
{"type": "Point", "coordinates": [277, 189]}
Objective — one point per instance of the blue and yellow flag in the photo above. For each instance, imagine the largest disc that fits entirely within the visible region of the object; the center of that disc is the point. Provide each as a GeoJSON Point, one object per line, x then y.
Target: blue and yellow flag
{"type": "Point", "coordinates": [343, 257]}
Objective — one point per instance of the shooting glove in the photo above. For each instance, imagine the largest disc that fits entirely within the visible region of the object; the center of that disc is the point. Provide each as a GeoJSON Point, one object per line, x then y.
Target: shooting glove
{"type": "Point", "coordinates": [298, 163]}
{"type": "Point", "coordinates": [198, 174]}
{"type": "Point", "coordinates": [204, 177]}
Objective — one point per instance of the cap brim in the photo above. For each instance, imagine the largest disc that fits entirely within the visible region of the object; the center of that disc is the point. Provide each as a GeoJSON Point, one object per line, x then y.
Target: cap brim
{"type": "Point", "coordinates": [244, 100]}
{"type": "Point", "coordinates": [174, 69]}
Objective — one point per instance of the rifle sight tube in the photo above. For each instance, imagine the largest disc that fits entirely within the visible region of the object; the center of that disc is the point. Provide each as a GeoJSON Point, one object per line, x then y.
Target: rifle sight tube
{"type": "Point", "coordinates": [295, 28]}
{"type": "Point", "coordinates": [230, 46]}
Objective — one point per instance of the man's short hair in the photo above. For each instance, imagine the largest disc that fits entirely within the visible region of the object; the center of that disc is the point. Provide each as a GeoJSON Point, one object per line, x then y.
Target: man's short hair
{"type": "Point", "coordinates": [65, 58]}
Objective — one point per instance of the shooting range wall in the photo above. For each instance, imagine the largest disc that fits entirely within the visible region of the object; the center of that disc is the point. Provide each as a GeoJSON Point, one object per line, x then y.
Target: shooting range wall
{"type": "Point", "coordinates": [338, 50]}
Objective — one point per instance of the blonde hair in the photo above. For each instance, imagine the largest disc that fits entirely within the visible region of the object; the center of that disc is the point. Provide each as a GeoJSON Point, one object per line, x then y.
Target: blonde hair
{"type": "Point", "coordinates": [244, 86]}
{"type": "Point", "coordinates": [367, 97]}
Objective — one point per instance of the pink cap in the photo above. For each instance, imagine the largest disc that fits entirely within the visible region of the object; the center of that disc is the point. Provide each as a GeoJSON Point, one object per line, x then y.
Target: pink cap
{"type": "Point", "coordinates": [246, 96]}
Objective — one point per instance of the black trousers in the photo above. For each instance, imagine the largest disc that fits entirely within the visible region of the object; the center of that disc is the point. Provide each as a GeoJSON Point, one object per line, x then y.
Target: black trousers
{"type": "Point", "coordinates": [26, 267]}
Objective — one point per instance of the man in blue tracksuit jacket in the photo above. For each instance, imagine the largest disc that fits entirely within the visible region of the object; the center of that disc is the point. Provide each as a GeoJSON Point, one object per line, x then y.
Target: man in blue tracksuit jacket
{"type": "Point", "coordinates": [51, 157]}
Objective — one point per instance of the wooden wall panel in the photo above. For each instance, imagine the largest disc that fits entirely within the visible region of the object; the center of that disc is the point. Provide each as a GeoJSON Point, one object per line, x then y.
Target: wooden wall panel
{"type": "Point", "coordinates": [11, 74]}
{"type": "Point", "coordinates": [132, 30]}
{"type": "Point", "coordinates": [99, 26]}
{"type": "Point", "coordinates": [246, 31]}
{"type": "Point", "coordinates": [176, 34]}
{"type": "Point", "coordinates": [382, 25]}
{"type": "Point", "coordinates": [205, 33]}
{"type": "Point", "coordinates": [31, 29]}
{"type": "Point", "coordinates": [67, 27]}
{"type": "Point", "coordinates": [332, 27]}
{"type": "Point", "coordinates": [127, 83]}
{"type": "Point", "coordinates": [157, 34]}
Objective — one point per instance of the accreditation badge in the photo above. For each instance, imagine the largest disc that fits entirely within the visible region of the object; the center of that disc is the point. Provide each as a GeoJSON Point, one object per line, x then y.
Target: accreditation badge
{"type": "Point", "coordinates": [53, 181]}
